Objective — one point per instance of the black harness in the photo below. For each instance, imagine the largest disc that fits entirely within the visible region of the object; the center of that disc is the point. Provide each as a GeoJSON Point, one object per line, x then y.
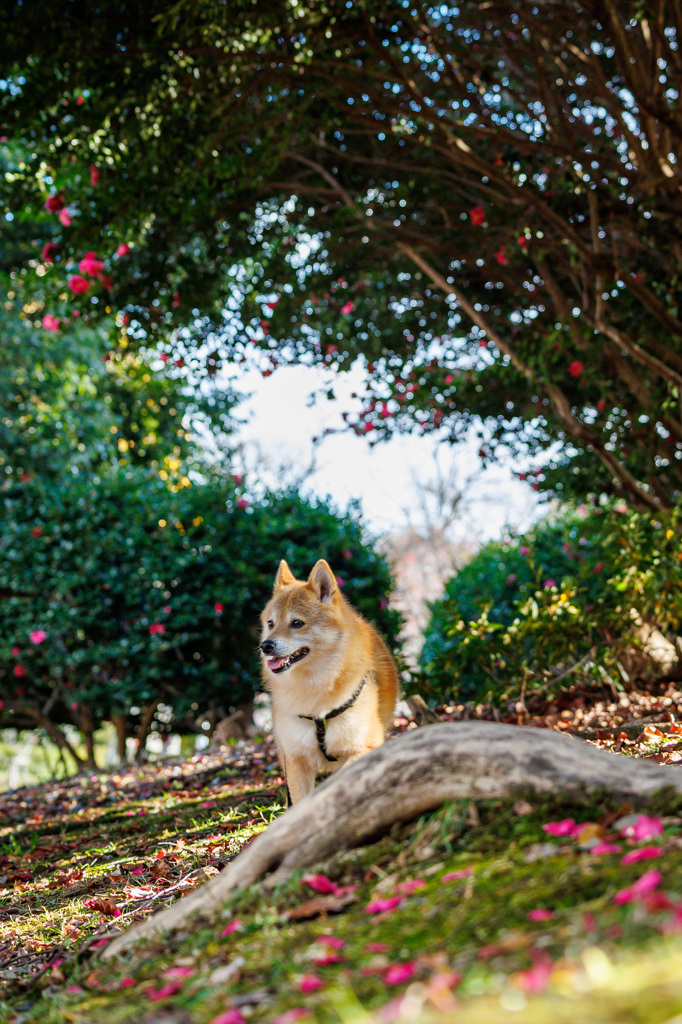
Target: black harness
{"type": "Point", "coordinates": [321, 723]}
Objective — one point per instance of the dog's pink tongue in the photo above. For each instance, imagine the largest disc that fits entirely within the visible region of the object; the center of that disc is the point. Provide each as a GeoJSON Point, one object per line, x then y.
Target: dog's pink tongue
{"type": "Point", "coordinates": [275, 663]}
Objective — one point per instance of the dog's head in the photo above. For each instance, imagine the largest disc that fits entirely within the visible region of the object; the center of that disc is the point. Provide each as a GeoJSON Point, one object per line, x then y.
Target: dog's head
{"type": "Point", "coordinates": [301, 620]}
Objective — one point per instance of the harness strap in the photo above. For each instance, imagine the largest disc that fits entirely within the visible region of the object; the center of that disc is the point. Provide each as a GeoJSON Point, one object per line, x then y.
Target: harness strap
{"type": "Point", "coordinates": [321, 723]}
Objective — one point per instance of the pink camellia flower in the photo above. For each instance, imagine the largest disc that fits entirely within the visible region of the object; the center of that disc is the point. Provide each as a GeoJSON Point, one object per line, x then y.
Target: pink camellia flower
{"type": "Point", "coordinates": [16, 652]}
{"type": "Point", "coordinates": [559, 828]}
{"type": "Point", "coordinates": [80, 100]}
{"type": "Point", "coordinates": [643, 887]}
{"type": "Point", "coordinates": [549, 583]}
{"type": "Point", "coordinates": [38, 636]}
{"type": "Point", "coordinates": [348, 307]}
{"type": "Point", "coordinates": [54, 203]}
{"type": "Point", "coordinates": [19, 671]}
{"type": "Point", "coordinates": [540, 915]}
{"type": "Point", "coordinates": [524, 551]}
{"type": "Point", "coordinates": [382, 906]}
{"type": "Point", "coordinates": [123, 249]}
{"type": "Point", "coordinates": [398, 974]}
{"type": "Point", "coordinates": [157, 628]}
{"type": "Point", "coordinates": [242, 503]}
{"type": "Point", "coordinates": [643, 828]}
{"type": "Point", "coordinates": [65, 218]}
{"type": "Point", "coordinates": [642, 853]}
{"type": "Point", "coordinates": [51, 323]}
{"type": "Point", "coordinates": [48, 252]}
{"type": "Point", "coordinates": [91, 264]}
{"type": "Point", "coordinates": [237, 478]}
{"type": "Point", "coordinates": [309, 983]}
{"type": "Point", "coordinates": [501, 256]}
{"type": "Point", "coordinates": [78, 284]}
{"type": "Point", "coordinates": [576, 368]}
{"type": "Point", "coordinates": [218, 608]}
{"type": "Point", "coordinates": [477, 216]}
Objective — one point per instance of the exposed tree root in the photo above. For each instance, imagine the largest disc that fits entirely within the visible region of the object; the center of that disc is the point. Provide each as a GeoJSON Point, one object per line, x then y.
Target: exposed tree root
{"type": "Point", "coordinates": [412, 774]}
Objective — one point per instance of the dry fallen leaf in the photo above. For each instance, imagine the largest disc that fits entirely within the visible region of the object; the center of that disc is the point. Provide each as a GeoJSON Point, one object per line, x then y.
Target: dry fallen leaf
{"type": "Point", "coordinates": [331, 904]}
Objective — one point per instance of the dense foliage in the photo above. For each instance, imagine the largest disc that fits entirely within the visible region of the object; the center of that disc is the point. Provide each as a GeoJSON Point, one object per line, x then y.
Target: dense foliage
{"type": "Point", "coordinates": [566, 603]}
{"type": "Point", "coordinates": [118, 593]}
{"type": "Point", "coordinates": [478, 200]}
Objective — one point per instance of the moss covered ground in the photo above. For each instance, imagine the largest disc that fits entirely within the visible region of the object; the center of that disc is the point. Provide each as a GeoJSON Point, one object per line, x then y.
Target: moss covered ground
{"type": "Point", "coordinates": [530, 909]}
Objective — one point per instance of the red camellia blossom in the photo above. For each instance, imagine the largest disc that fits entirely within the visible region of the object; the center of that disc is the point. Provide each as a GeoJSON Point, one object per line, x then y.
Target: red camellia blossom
{"type": "Point", "coordinates": [242, 503]}
{"type": "Point", "coordinates": [501, 256]}
{"type": "Point", "coordinates": [576, 368]}
{"type": "Point", "coordinates": [19, 671]}
{"type": "Point", "coordinates": [218, 608]}
{"type": "Point", "coordinates": [157, 628]}
{"type": "Point", "coordinates": [65, 218]}
{"type": "Point", "coordinates": [477, 216]}
{"type": "Point", "coordinates": [78, 284]}
{"type": "Point", "coordinates": [123, 249]}
{"type": "Point", "coordinates": [54, 203]}
{"type": "Point", "coordinates": [51, 323]}
{"type": "Point", "coordinates": [94, 174]}
{"type": "Point", "coordinates": [91, 264]}
{"type": "Point", "coordinates": [48, 252]}
{"type": "Point", "coordinates": [348, 307]}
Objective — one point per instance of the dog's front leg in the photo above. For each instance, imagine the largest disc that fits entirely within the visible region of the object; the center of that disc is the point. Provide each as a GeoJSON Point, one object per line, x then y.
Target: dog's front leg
{"type": "Point", "coordinates": [300, 776]}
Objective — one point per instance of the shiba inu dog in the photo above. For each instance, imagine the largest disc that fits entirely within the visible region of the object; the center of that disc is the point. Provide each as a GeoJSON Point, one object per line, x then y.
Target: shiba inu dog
{"type": "Point", "coordinates": [331, 678]}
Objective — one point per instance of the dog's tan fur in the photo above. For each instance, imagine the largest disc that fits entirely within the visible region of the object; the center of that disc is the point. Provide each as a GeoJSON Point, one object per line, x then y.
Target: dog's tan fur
{"type": "Point", "coordinates": [343, 649]}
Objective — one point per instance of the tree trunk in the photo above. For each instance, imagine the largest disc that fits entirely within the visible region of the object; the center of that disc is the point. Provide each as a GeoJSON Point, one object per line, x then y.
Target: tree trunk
{"type": "Point", "coordinates": [406, 777]}
{"type": "Point", "coordinates": [119, 722]}
{"type": "Point", "coordinates": [143, 730]}
{"type": "Point", "coordinates": [87, 728]}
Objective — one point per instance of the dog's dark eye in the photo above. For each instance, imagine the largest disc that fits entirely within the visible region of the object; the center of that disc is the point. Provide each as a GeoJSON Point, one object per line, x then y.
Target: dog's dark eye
{"type": "Point", "coordinates": [270, 624]}
{"type": "Point", "coordinates": [297, 623]}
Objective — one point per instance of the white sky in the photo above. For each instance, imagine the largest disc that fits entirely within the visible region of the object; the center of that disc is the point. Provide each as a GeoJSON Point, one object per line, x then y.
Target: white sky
{"type": "Point", "coordinates": [385, 478]}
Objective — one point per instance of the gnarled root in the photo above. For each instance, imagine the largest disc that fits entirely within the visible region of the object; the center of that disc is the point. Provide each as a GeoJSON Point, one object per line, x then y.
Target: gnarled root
{"type": "Point", "coordinates": [407, 776]}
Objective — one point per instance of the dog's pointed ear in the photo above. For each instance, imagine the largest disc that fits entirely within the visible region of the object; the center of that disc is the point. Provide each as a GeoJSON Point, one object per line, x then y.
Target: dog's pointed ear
{"type": "Point", "coordinates": [284, 576]}
{"type": "Point", "coordinates": [323, 582]}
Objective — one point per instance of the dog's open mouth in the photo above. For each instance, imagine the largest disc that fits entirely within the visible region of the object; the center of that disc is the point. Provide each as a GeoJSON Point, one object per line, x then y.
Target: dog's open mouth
{"type": "Point", "coordinates": [282, 664]}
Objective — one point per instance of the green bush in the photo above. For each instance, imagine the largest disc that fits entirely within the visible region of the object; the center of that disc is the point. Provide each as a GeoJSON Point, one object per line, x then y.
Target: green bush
{"type": "Point", "coordinates": [558, 605]}
{"type": "Point", "coordinates": [144, 595]}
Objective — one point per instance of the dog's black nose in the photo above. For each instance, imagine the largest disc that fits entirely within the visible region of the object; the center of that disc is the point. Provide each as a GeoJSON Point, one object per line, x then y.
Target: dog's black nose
{"type": "Point", "coordinates": [267, 647]}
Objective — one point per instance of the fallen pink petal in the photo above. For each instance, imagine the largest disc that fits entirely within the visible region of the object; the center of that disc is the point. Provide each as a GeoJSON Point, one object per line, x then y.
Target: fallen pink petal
{"type": "Point", "coordinates": [398, 974]}
{"type": "Point", "coordinates": [320, 883]}
{"type": "Point", "coordinates": [536, 978]}
{"type": "Point", "coordinates": [331, 941]}
{"type": "Point", "coordinates": [310, 983]}
{"type": "Point", "coordinates": [642, 853]}
{"type": "Point", "coordinates": [230, 928]}
{"type": "Point", "coordinates": [601, 848]}
{"type": "Point", "coordinates": [382, 906]}
{"type": "Point", "coordinates": [559, 828]}
{"type": "Point", "coordinates": [290, 1016]}
{"type": "Point", "coordinates": [410, 886]}
{"type": "Point", "coordinates": [649, 881]}
{"type": "Point", "coordinates": [454, 876]}
{"type": "Point", "coordinates": [644, 828]}
{"type": "Point", "coordinates": [229, 1017]}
